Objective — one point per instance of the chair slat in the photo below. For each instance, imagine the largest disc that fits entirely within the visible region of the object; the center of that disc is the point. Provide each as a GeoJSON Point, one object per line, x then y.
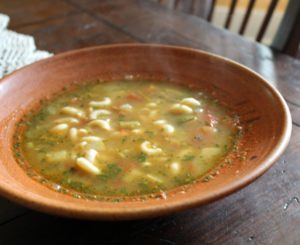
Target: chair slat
{"type": "Point", "coordinates": [211, 10]}
{"type": "Point", "coordinates": [292, 45]}
{"type": "Point", "coordinates": [287, 38]}
{"type": "Point", "coordinates": [192, 7]}
{"type": "Point", "coordinates": [266, 20]}
{"type": "Point", "coordinates": [176, 3]}
{"type": "Point", "coordinates": [247, 16]}
{"type": "Point", "coordinates": [230, 13]}
{"type": "Point", "coordinates": [187, 6]}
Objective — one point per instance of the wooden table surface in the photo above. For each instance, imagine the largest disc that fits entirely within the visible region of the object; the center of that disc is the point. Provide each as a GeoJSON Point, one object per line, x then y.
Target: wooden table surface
{"type": "Point", "coordinates": [265, 212]}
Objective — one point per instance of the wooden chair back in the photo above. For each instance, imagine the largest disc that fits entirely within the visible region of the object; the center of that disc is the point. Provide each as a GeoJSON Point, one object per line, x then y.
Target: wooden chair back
{"type": "Point", "coordinates": [205, 9]}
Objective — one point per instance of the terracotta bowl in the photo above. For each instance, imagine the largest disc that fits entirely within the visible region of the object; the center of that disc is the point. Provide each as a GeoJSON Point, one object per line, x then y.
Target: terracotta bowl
{"type": "Point", "coordinates": [263, 112]}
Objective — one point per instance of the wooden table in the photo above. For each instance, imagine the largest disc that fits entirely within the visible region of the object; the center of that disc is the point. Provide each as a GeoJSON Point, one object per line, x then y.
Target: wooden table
{"type": "Point", "coordinates": [265, 212]}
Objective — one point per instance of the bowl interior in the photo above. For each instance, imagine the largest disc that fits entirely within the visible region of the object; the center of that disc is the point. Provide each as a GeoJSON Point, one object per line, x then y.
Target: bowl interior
{"type": "Point", "coordinates": [262, 111]}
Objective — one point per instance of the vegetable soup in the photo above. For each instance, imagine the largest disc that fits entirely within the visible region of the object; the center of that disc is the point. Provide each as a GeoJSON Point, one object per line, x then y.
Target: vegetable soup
{"type": "Point", "coordinates": [127, 138]}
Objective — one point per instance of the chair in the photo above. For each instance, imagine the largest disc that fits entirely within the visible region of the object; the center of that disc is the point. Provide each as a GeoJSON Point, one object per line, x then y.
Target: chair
{"type": "Point", "coordinates": [287, 37]}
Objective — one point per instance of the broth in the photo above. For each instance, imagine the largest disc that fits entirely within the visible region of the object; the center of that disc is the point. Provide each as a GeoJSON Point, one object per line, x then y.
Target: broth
{"type": "Point", "coordinates": [127, 138]}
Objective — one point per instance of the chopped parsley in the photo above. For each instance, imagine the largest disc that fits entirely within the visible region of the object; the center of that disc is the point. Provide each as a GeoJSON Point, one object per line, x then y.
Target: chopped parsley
{"type": "Point", "coordinates": [142, 157]}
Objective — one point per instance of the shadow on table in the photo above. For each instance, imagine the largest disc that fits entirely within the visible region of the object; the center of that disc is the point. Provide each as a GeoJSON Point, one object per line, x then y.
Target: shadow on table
{"type": "Point", "coordinates": [30, 227]}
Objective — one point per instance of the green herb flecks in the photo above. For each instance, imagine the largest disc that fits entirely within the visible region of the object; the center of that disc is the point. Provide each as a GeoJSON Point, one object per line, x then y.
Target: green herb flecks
{"type": "Point", "coordinates": [142, 157]}
{"type": "Point", "coordinates": [112, 171]}
{"type": "Point", "coordinates": [123, 140]}
{"type": "Point", "coordinates": [188, 157]}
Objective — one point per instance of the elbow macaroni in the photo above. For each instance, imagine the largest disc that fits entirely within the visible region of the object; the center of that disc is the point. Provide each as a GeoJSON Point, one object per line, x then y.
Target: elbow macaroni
{"type": "Point", "coordinates": [72, 111]}
{"type": "Point", "coordinates": [60, 129]}
{"type": "Point", "coordinates": [104, 124]}
{"type": "Point", "coordinates": [150, 149]}
{"type": "Point", "coordinates": [95, 114]}
{"type": "Point", "coordinates": [181, 109]}
{"type": "Point", "coordinates": [190, 102]}
{"type": "Point", "coordinates": [105, 102]}
{"type": "Point", "coordinates": [87, 166]}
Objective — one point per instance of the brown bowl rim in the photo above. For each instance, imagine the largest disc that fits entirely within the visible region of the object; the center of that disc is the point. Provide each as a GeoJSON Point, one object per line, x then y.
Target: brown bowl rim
{"type": "Point", "coordinates": [56, 207]}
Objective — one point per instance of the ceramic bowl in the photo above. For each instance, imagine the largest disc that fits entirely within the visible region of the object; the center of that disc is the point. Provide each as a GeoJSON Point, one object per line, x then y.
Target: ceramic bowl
{"type": "Point", "coordinates": [262, 110]}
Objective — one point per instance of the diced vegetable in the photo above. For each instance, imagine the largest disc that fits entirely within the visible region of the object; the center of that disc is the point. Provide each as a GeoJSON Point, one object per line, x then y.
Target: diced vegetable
{"type": "Point", "coordinates": [134, 97]}
{"type": "Point", "coordinates": [130, 124]}
{"type": "Point", "coordinates": [175, 167]}
{"type": "Point", "coordinates": [209, 153]}
{"type": "Point", "coordinates": [185, 118]}
{"type": "Point", "coordinates": [57, 156]}
{"type": "Point", "coordinates": [154, 178]}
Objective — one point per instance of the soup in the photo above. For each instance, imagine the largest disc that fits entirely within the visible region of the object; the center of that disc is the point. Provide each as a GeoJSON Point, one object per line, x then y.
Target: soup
{"type": "Point", "coordinates": [126, 138]}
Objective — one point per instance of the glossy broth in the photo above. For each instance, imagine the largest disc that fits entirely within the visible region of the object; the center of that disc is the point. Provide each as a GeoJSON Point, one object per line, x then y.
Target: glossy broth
{"type": "Point", "coordinates": [127, 138]}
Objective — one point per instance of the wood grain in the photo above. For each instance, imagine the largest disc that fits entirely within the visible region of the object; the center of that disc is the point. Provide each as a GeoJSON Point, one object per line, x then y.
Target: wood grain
{"type": "Point", "coordinates": [265, 212]}
{"type": "Point", "coordinates": [26, 12]}
{"type": "Point", "coordinates": [75, 31]}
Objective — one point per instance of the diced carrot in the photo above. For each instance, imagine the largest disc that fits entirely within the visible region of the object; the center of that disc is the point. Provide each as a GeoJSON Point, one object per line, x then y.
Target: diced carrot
{"type": "Point", "coordinates": [151, 88]}
{"type": "Point", "coordinates": [83, 122]}
{"type": "Point", "coordinates": [134, 97]}
{"type": "Point", "coordinates": [115, 108]}
{"type": "Point", "coordinates": [123, 132]}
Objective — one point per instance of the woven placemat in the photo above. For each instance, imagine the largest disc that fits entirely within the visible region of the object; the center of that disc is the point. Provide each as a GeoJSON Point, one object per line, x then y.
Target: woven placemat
{"type": "Point", "coordinates": [16, 50]}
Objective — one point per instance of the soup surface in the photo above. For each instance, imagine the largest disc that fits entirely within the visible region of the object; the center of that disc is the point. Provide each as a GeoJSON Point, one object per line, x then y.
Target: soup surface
{"type": "Point", "coordinates": [126, 138]}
